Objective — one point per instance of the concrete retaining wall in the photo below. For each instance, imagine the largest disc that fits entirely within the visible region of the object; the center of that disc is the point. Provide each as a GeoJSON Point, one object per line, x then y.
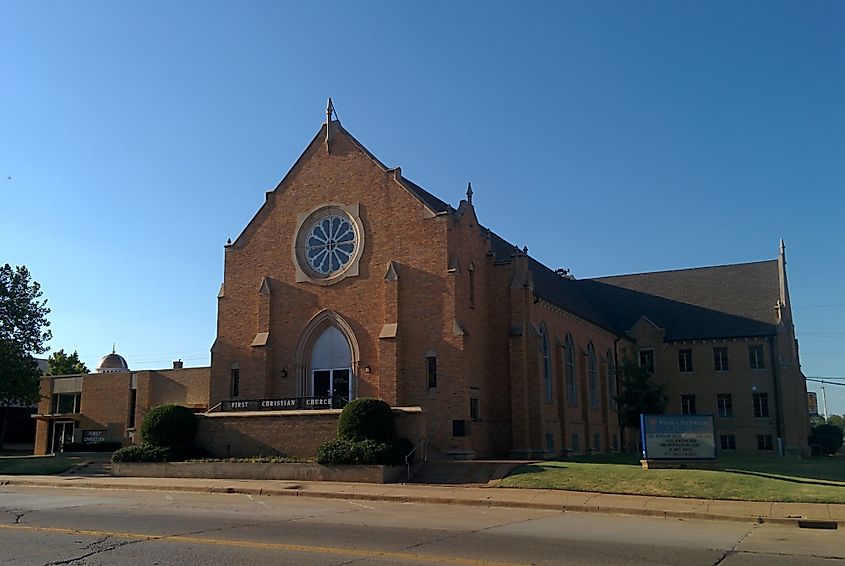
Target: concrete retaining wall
{"type": "Point", "coordinates": [259, 471]}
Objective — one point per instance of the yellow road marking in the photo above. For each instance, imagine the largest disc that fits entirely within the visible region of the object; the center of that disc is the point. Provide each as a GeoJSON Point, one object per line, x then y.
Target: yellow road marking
{"type": "Point", "coordinates": [386, 554]}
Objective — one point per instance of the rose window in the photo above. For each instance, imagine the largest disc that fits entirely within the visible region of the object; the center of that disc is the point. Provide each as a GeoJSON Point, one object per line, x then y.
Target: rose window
{"type": "Point", "coordinates": [330, 244]}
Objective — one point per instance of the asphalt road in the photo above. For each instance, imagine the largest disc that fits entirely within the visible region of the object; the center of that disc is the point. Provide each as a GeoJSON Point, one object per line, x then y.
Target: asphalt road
{"type": "Point", "coordinates": [42, 526]}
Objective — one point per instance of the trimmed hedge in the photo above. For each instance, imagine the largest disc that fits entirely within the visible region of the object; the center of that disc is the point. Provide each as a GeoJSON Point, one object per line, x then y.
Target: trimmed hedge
{"type": "Point", "coordinates": [365, 452]}
{"type": "Point", "coordinates": [366, 419]}
{"type": "Point", "coordinates": [143, 452]}
{"type": "Point", "coordinates": [170, 426]}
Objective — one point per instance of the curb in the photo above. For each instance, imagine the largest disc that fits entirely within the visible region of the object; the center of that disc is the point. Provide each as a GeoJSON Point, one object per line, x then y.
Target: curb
{"type": "Point", "coordinates": [799, 522]}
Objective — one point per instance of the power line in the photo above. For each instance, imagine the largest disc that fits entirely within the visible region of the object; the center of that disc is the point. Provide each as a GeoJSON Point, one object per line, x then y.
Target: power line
{"type": "Point", "coordinates": [838, 305]}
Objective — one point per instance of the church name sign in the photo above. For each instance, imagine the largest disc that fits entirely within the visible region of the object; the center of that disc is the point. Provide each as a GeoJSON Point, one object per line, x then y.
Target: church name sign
{"type": "Point", "coordinates": [678, 437]}
{"type": "Point", "coordinates": [286, 404]}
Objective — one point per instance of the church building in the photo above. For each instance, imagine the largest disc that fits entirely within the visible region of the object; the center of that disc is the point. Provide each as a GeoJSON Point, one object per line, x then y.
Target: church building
{"type": "Point", "coordinates": [352, 281]}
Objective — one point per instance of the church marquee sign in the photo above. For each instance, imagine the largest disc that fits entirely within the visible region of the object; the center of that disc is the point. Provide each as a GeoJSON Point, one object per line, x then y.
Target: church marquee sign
{"type": "Point", "coordinates": [678, 437]}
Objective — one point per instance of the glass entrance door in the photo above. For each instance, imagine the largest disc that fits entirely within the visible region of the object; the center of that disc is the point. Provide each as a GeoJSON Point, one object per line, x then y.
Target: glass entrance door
{"type": "Point", "coordinates": [332, 383]}
{"type": "Point", "coordinates": [62, 435]}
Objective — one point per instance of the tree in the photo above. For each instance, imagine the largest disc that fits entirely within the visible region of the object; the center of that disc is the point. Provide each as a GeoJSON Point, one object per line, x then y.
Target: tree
{"type": "Point", "coordinates": [639, 394]}
{"type": "Point", "coordinates": [63, 364]}
{"type": "Point", "coordinates": [23, 331]}
{"type": "Point", "coordinates": [837, 420]}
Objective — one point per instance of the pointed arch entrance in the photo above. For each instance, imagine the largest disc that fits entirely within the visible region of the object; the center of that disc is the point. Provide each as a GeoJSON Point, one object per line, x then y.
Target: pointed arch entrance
{"type": "Point", "coordinates": [327, 359]}
{"type": "Point", "coordinates": [331, 367]}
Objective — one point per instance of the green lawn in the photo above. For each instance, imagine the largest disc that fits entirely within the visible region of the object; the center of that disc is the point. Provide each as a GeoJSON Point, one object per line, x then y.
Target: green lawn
{"type": "Point", "coordinates": [37, 465]}
{"type": "Point", "coordinates": [819, 480]}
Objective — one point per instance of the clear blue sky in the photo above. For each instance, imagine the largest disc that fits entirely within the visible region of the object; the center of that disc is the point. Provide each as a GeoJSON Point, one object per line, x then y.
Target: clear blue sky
{"type": "Point", "coordinates": [609, 137]}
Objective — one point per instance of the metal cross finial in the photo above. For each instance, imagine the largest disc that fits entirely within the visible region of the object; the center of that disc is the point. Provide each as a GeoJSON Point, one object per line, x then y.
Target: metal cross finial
{"type": "Point", "coordinates": [329, 112]}
{"type": "Point", "coordinates": [469, 192]}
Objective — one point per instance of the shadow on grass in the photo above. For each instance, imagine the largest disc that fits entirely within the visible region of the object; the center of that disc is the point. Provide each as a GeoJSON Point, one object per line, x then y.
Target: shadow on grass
{"type": "Point", "coordinates": [532, 469]}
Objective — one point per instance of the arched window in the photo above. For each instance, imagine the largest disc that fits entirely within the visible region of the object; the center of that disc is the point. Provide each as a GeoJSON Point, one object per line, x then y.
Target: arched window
{"type": "Point", "coordinates": [592, 381]}
{"type": "Point", "coordinates": [547, 363]}
{"type": "Point", "coordinates": [571, 385]}
{"type": "Point", "coordinates": [471, 285]}
{"type": "Point", "coordinates": [611, 381]}
{"type": "Point", "coordinates": [331, 367]}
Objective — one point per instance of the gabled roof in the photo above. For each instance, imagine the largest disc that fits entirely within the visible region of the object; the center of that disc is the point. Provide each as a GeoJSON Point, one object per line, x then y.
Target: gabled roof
{"type": "Point", "coordinates": [727, 301]}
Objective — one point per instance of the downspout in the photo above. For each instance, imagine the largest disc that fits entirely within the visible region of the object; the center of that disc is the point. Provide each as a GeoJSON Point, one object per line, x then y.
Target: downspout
{"type": "Point", "coordinates": [776, 383]}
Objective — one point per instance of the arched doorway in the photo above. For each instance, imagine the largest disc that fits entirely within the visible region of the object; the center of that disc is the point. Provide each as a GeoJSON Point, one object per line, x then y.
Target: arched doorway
{"type": "Point", "coordinates": [330, 368]}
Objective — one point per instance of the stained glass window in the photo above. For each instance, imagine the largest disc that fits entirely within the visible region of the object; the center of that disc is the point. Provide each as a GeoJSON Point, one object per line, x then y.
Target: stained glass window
{"type": "Point", "coordinates": [330, 244]}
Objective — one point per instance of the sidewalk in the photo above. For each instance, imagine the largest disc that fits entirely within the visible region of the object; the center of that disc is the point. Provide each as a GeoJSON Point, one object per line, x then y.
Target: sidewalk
{"type": "Point", "coordinates": [817, 515]}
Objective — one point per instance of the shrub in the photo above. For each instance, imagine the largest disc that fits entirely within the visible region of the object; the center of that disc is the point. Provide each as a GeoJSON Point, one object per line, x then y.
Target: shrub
{"type": "Point", "coordinates": [170, 426]}
{"type": "Point", "coordinates": [828, 443]}
{"type": "Point", "coordinates": [143, 452]}
{"type": "Point", "coordinates": [829, 430]}
{"type": "Point", "coordinates": [340, 452]}
{"type": "Point", "coordinates": [366, 419]}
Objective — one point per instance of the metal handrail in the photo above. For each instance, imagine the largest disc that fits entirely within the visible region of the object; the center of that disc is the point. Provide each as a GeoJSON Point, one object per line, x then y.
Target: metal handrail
{"type": "Point", "coordinates": [214, 407]}
{"type": "Point", "coordinates": [424, 442]}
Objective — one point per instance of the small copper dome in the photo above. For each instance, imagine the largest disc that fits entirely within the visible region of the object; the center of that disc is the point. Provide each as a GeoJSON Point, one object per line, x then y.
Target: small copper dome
{"type": "Point", "coordinates": [111, 363]}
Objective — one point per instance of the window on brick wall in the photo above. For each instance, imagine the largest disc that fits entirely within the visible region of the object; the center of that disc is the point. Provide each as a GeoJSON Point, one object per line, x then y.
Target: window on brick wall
{"type": "Point", "coordinates": [725, 405]}
{"type": "Point", "coordinates": [611, 382]}
{"type": "Point", "coordinates": [764, 442]}
{"type": "Point", "coordinates": [431, 371]}
{"type": "Point", "coordinates": [647, 359]}
{"type": "Point", "coordinates": [727, 442]}
{"type": "Point", "coordinates": [550, 442]}
{"type": "Point", "coordinates": [576, 443]}
{"type": "Point", "coordinates": [592, 379]}
{"type": "Point", "coordinates": [688, 405]}
{"type": "Point", "coordinates": [596, 442]}
{"type": "Point", "coordinates": [474, 412]}
{"type": "Point", "coordinates": [471, 286]}
{"type": "Point", "coordinates": [720, 359]}
{"type": "Point", "coordinates": [235, 382]}
{"type": "Point", "coordinates": [761, 404]}
{"type": "Point", "coordinates": [571, 384]}
{"type": "Point", "coordinates": [685, 360]}
{"type": "Point", "coordinates": [755, 357]}
{"type": "Point", "coordinates": [66, 403]}
{"type": "Point", "coordinates": [459, 428]}
{"type": "Point", "coordinates": [545, 351]}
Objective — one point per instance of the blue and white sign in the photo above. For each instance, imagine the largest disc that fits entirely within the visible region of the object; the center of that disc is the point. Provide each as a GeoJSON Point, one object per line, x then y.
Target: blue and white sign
{"type": "Point", "coordinates": [678, 437]}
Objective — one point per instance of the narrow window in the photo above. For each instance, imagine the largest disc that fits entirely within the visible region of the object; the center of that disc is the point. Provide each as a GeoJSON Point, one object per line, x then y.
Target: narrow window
{"type": "Point", "coordinates": [688, 404]}
{"type": "Point", "coordinates": [133, 403]}
{"type": "Point", "coordinates": [571, 386]}
{"type": "Point", "coordinates": [724, 403]}
{"type": "Point", "coordinates": [471, 286]}
{"type": "Point", "coordinates": [755, 357]}
{"type": "Point", "coordinates": [592, 381]}
{"type": "Point", "coordinates": [761, 404]}
{"type": "Point", "coordinates": [611, 381]}
{"type": "Point", "coordinates": [597, 442]}
{"type": "Point", "coordinates": [236, 382]}
{"type": "Point", "coordinates": [720, 359]}
{"type": "Point", "coordinates": [764, 442]}
{"type": "Point", "coordinates": [727, 442]}
{"type": "Point", "coordinates": [431, 370]}
{"type": "Point", "coordinates": [474, 413]}
{"type": "Point", "coordinates": [547, 364]}
{"type": "Point", "coordinates": [614, 440]}
{"type": "Point", "coordinates": [647, 360]}
{"type": "Point", "coordinates": [550, 442]}
{"type": "Point", "coordinates": [685, 361]}
{"type": "Point", "coordinates": [576, 443]}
